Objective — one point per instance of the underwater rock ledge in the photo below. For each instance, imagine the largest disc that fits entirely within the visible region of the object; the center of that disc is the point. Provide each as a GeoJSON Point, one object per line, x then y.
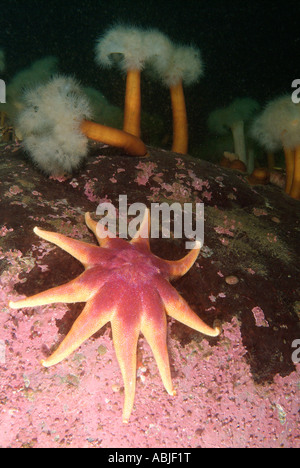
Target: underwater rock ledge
{"type": "Point", "coordinates": [248, 267]}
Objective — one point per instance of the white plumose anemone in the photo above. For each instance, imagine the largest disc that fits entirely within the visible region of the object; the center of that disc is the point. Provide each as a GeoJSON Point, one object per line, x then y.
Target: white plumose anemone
{"type": "Point", "coordinates": [133, 49]}
{"type": "Point", "coordinates": [175, 66]}
{"type": "Point", "coordinates": [50, 125]}
{"type": "Point", "coordinates": [279, 125]}
{"type": "Point", "coordinates": [124, 45]}
{"type": "Point", "coordinates": [130, 48]}
{"type": "Point", "coordinates": [179, 63]}
{"type": "Point", "coordinates": [233, 118]}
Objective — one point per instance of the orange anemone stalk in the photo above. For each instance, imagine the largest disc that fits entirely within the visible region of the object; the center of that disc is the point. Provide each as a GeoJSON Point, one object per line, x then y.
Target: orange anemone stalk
{"type": "Point", "coordinates": [180, 65]}
{"type": "Point", "coordinates": [126, 47]}
{"type": "Point", "coordinates": [292, 168]}
{"type": "Point", "coordinates": [180, 123]}
{"type": "Point", "coordinates": [114, 137]}
{"type": "Point", "coordinates": [132, 107]}
{"type": "Point", "coordinates": [295, 187]}
{"type": "Point", "coordinates": [289, 168]}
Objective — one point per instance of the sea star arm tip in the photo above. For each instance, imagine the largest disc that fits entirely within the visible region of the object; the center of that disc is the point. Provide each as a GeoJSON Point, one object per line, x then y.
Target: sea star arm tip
{"type": "Point", "coordinates": [82, 251]}
{"type": "Point", "coordinates": [154, 329]}
{"type": "Point", "coordinates": [142, 235]}
{"type": "Point", "coordinates": [36, 230]}
{"type": "Point", "coordinates": [76, 290]}
{"type": "Point", "coordinates": [178, 268]}
{"type": "Point", "coordinates": [91, 319]}
{"type": "Point", "coordinates": [178, 308]}
{"type": "Point", "coordinates": [217, 326]}
{"type": "Point", "coordinates": [125, 344]}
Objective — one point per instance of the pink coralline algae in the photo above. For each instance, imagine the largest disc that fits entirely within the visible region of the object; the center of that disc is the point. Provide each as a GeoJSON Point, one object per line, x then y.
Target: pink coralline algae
{"type": "Point", "coordinates": [217, 403]}
{"type": "Point", "coordinates": [197, 183]}
{"type": "Point", "coordinates": [146, 170]}
{"type": "Point", "coordinates": [89, 191]}
{"type": "Point", "coordinates": [271, 238]}
{"type": "Point", "coordinates": [182, 188]}
{"type": "Point", "coordinates": [220, 402]}
{"type": "Point", "coordinates": [74, 183]}
{"type": "Point", "coordinates": [4, 231]}
{"type": "Point", "coordinates": [58, 178]}
{"type": "Point", "coordinates": [222, 230]}
{"type": "Point", "coordinates": [14, 190]}
{"type": "Point", "coordinates": [259, 317]}
{"type": "Point", "coordinates": [177, 191]}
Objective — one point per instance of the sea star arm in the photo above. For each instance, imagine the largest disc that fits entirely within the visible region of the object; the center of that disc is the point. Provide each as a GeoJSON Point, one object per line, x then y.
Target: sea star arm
{"type": "Point", "coordinates": [93, 317]}
{"type": "Point", "coordinates": [91, 224]}
{"type": "Point", "coordinates": [178, 308]}
{"type": "Point", "coordinates": [154, 329]}
{"type": "Point", "coordinates": [68, 293]}
{"type": "Point", "coordinates": [106, 239]}
{"type": "Point", "coordinates": [178, 268]}
{"type": "Point", "coordinates": [125, 331]}
{"type": "Point", "coordinates": [141, 238]}
{"type": "Point", "coordinates": [81, 289]}
{"type": "Point", "coordinates": [82, 251]}
{"type": "Point", "coordinates": [102, 234]}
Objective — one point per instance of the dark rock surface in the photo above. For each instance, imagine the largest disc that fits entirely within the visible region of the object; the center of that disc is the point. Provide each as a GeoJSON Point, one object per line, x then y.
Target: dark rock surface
{"type": "Point", "coordinates": [251, 233]}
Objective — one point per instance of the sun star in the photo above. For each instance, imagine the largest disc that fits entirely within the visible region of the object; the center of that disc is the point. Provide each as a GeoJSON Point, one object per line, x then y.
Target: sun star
{"type": "Point", "coordinates": [127, 285]}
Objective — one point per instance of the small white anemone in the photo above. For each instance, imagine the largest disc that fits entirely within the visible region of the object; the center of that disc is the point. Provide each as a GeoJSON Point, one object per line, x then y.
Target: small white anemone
{"type": "Point", "coordinates": [221, 120]}
{"type": "Point", "coordinates": [185, 64]}
{"type": "Point", "coordinates": [279, 125]}
{"type": "Point", "coordinates": [161, 50]}
{"type": "Point", "coordinates": [124, 45]}
{"type": "Point", "coordinates": [233, 118]}
{"type": "Point", "coordinates": [50, 125]}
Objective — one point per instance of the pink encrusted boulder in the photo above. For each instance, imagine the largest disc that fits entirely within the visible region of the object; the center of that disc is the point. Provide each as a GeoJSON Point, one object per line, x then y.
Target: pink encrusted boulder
{"type": "Point", "coordinates": [246, 276]}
